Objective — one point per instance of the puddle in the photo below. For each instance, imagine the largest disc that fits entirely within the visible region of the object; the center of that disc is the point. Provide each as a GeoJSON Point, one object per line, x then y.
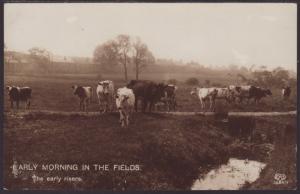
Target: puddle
{"type": "Point", "coordinates": [230, 176]}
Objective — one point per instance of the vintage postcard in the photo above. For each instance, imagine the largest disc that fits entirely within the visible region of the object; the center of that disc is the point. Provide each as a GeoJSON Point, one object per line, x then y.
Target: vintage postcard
{"type": "Point", "coordinates": [150, 96]}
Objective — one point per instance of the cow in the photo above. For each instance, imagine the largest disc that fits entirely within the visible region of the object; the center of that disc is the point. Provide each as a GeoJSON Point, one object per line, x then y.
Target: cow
{"type": "Point", "coordinates": [147, 91]}
{"type": "Point", "coordinates": [258, 93]}
{"type": "Point", "coordinates": [84, 94]}
{"type": "Point", "coordinates": [125, 100]}
{"type": "Point", "coordinates": [106, 95]}
{"type": "Point", "coordinates": [286, 92]}
{"type": "Point", "coordinates": [205, 94]}
{"type": "Point", "coordinates": [225, 94]}
{"type": "Point", "coordinates": [241, 92]}
{"type": "Point", "coordinates": [17, 94]}
{"type": "Point", "coordinates": [169, 98]}
{"type": "Point", "coordinates": [234, 92]}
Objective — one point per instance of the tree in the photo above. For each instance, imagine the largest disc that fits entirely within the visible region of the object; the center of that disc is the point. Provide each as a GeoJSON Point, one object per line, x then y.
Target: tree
{"type": "Point", "coordinates": [192, 81]}
{"type": "Point", "coordinates": [141, 56]}
{"type": "Point", "coordinates": [207, 82]}
{"type": "Point", "coordinates": [41, 57]}
{"type": "Point", "coordinates": [124, 46]}
{"type": "Point", "coordinates": [107, 54]}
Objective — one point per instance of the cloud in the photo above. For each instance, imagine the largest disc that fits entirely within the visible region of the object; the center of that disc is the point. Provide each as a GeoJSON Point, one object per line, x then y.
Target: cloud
{"type": "Point", "coordinates": [71, 19]}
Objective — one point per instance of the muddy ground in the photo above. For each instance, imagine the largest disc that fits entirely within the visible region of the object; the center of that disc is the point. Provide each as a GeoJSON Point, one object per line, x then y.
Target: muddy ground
{"type": "Point", "coordinates": [171, 151]}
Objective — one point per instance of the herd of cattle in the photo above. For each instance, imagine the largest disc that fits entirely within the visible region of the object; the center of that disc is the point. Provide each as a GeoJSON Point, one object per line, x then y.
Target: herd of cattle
{"type": "Point", "coordinates": [150, 94]}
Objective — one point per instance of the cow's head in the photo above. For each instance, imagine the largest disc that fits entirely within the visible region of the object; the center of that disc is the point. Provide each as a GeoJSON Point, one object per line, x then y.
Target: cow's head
{"type": "Point", "coordinates": [121, 101]}
{"type": "Point", "coordinates": [74, 87]}
{"type": "Point", "coordinates": [105, 86]}
{"type": "Point", "coordinates": [8, 88]}
{"type": "Point", "coordinates": [238, 89]}
{"type": "Point", "coordinates": [13, 91]}
{"type": "Point", "coordinates": [160, 91]}
{"type": "Point", "coordinates": [194, 91]}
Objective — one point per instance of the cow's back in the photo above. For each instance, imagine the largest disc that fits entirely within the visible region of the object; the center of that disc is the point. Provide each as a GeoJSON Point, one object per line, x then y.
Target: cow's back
{"type": "Point", "coordinates": [25, 93]}
{"type": "Point", "coordinates": [80, 92]}
{"type": "Point", "coordinates": [142, 88]}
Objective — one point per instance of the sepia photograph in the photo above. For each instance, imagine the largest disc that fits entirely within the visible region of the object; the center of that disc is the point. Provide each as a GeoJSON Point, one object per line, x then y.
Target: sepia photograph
{"type": "Point", "coordinates": [150, 96]}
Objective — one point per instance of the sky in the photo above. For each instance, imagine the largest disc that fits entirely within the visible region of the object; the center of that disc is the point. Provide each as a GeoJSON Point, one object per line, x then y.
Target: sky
{"type": "Point", "coordinates": [217, 34]}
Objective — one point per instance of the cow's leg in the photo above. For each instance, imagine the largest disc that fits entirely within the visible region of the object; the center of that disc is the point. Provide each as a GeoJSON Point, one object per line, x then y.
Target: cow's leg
{"type": "Point", "coordinates": [17, 104]}
{"type": "Point", "coordinates": [122, 119]}
{"type": "Point", "coordinates": [131, 114]}
{"type": "Point", "coordinates": [151, 105]}
{"type": "Point", "coordinates": [202, 102]}
{"type": "Point", "coordinates": [80, 105]}
{"type": "Point", "coordinates": [28, 104]}
{"type": "Point", "coordinates": [127, 119]}
{"type": "Point", "coordinates": [104, 106]}
{"type": "Point", "coordinates": [11, 104]}
{"type": "Point", "coordinates": [144, 104]}
{"type": "Point", "coordinates": [110, 105]}
{"type": "Point", "coordinates": [210, 104]}
{"type": "Point", "coordinates": [174, 105]}
{"type": "Point", "coordinates": [168, 105]}
{"type": "Point", "coordinates": [135, 104]}
{"type": "Point", "coordinates": [86, 104]}
{"type": "Point", "coordinates": [240, 100]}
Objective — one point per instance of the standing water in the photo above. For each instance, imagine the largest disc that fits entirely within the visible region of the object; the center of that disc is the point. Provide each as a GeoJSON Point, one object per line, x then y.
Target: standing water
{"type": "Point", "coordinates": [230, 176]}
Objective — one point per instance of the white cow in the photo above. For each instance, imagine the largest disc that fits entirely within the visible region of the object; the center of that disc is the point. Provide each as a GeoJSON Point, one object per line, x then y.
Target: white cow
{"type": "Point", "coordinates": [125, 104]}
{"type": "Point", "coordinates": [106, 94]}
{"type": "Point", "coordinates": [205, 94]}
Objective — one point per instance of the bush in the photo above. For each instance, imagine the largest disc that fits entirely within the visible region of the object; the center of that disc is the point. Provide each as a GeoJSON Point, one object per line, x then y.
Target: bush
{"type": "Point", "coordinates": [192, 81]}
{"type": "Point", "coordinates": [172, 81]}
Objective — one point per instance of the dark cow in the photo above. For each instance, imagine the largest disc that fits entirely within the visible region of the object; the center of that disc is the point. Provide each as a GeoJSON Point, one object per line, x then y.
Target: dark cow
{"type": "Point", "coordinates": [147, 91]}
{"type": "Point", "coordinates": [169, 98]}
{"type": "Point", "coordinates": [258, 93]}
{"type": "Point", "coordinates": [286, 92]}
{"type": "Point", "coordinates": [84, 93]}
{"type": "Point", "coordinates": [17, 94]}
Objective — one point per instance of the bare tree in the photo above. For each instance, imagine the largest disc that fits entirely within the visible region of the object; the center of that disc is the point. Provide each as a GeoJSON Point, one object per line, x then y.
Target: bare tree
{"type": "Point", "coordinates": [141, 56]}
{"type": "Point", "coordinates": [124, 46]}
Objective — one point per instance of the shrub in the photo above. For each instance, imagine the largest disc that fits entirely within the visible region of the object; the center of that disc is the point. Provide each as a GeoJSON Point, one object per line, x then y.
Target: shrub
{"type": "Point", "coordinates": [192, 81]}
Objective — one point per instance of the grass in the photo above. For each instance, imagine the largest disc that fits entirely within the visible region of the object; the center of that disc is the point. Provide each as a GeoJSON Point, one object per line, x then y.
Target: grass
{"type": "Point", "coordinates": [169, 149]}
{"type": "Point", "coordinates": [55, 93]}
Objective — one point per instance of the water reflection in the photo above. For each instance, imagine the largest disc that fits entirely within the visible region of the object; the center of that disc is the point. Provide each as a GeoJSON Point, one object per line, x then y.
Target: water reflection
{"type": "Point", "coordinates": [230, 176]}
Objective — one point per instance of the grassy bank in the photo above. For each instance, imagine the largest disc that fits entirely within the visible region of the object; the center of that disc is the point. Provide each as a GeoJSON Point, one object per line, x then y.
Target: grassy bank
{"type": "Point", "coordinates": [168, 149]}
{"type": "Point", "coordinates": [171, 151]}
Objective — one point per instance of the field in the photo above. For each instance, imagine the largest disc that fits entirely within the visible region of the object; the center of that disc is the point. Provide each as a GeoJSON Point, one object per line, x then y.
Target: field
{"type": "Point", "coordinates": [171, 151]}
{"type": "Point", "coordinates": [55, 93]}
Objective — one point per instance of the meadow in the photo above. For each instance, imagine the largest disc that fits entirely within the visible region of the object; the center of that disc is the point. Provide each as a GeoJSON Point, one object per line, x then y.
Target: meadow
{"type": "Point", "coordinates": [54, 92]}
{"type": "Point", "coordinates": [171, 150]}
